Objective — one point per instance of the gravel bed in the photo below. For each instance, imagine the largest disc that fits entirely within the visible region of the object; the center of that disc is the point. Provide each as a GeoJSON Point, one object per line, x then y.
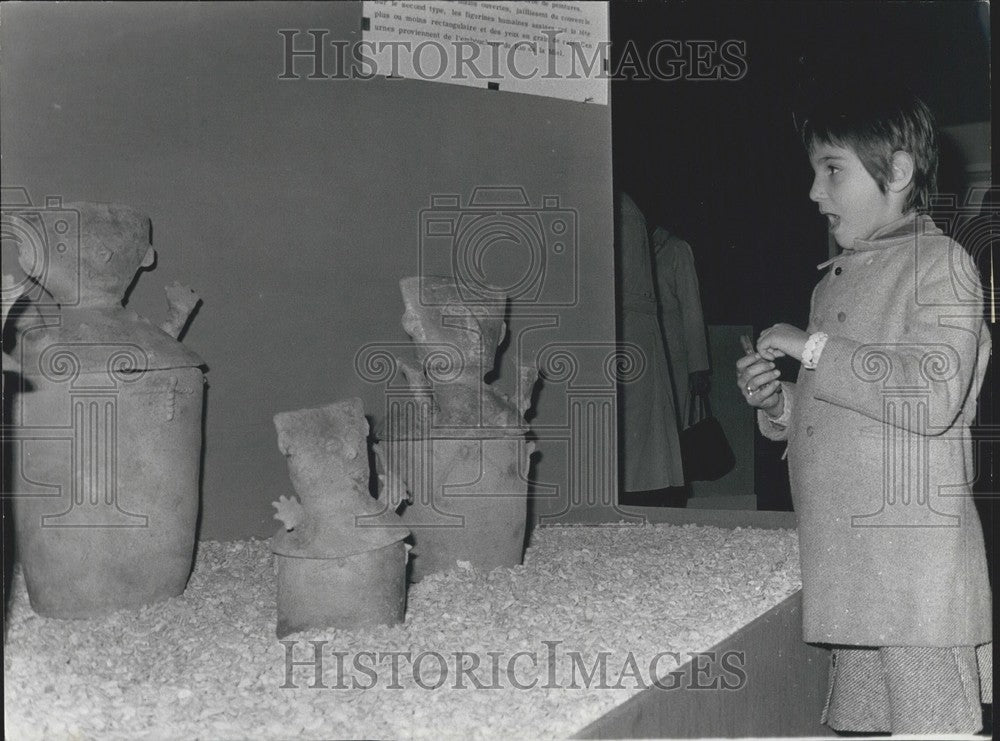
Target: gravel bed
{"type": "Point", "coordinates": [207, 664]}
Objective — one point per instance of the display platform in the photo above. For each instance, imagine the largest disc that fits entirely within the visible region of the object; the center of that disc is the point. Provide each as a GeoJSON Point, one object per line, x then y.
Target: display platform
{"type": "Point", "coordinates": [783, 693]}
{"type": "Point", "coordinates": [785, 682]}
{"type": "Point", "coordinates": [572, 643]}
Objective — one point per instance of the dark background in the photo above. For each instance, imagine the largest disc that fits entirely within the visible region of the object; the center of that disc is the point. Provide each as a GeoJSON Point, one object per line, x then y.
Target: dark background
{"type": "Point", "coordinates": [719, 162]}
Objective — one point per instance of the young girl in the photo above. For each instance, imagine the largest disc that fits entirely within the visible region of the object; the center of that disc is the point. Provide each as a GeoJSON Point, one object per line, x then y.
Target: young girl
{"type": "Point", "coordinates": [894, 574]}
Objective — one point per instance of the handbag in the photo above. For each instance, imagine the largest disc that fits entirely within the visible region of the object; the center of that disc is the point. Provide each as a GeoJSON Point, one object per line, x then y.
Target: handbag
{"type": "Point", "coordinates": [705, 451]}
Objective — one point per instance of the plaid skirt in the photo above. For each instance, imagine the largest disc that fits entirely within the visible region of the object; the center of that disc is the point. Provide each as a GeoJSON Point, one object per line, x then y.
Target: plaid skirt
{"type": "Point", "coordinates": [909, 689]}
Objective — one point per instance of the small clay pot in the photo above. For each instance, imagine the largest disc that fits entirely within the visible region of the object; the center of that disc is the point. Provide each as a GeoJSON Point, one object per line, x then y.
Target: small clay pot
{"type": "Point", "coordinates": [349, 592]}
{"type": "Point", "coordinates": [341, 557]}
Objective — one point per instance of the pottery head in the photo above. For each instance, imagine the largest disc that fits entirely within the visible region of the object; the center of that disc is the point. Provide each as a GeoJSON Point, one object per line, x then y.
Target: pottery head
{"type": "Point", "coordinates": [436, 314]}
{"type": "Point", "coordinates": [112, 243]}
{"type": "Point", "coordinates": [326, 447]}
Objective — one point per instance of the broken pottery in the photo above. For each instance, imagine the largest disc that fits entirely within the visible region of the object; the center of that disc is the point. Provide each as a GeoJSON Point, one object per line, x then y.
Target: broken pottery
{"type": "Point", "coordinates": [107, 425]}
{"type": "Point", "coordinates": [460, 451]}
{"type": "Point", "coordinates": [340, 555]}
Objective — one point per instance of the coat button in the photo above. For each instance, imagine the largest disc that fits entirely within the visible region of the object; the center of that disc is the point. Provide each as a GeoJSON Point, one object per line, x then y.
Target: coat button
{"type": "Point", "coordinates": [838, 270]}
{"type": "Point", "coordinates": [809, 431]}
{"type": "Point", "coordinates": [841, 317]}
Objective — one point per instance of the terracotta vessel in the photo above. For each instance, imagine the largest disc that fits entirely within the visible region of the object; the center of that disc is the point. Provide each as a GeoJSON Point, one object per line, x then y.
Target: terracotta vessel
{"type": "Point", "coordinates": [107, 425]}
{"type": "Point", "coordinates": [340, 555]}
{"type": "Point", "coordinates": [459, 448]}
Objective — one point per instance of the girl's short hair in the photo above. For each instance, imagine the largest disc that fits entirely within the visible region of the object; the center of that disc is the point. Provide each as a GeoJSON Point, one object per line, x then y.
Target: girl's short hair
{"type": "Point", "coordinates": [874, 124]}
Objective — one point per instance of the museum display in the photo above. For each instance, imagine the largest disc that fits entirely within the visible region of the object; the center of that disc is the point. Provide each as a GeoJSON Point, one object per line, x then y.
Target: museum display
{"type": "Point", "coordinates": [513, 653]}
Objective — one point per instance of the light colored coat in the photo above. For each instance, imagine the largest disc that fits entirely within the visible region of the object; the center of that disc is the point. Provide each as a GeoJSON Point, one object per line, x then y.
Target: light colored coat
{"type": "Point", "coordinates": [880, 456]}
{"type": "Point", "coordinates": [650, 452]}
{"type": "Point", "coordinates": [680, 314]}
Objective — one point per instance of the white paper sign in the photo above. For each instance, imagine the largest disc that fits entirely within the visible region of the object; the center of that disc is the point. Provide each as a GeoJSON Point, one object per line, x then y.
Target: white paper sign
{"type": "Point", "coordinates": [557, 49]}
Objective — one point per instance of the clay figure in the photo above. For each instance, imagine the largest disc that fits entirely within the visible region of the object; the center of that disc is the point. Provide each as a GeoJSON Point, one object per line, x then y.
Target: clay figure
{"type": "Point", "coordinates": [456, 343]}
{"type": "Point", "coordinates": [107, 423]}
{"type": "Point", "coordinates": [340, 554]}
{"type": "Point", "coordinates": [465, 461]}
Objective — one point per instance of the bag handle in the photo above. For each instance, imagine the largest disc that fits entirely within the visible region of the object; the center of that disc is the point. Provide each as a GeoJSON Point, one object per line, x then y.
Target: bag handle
{"type": "Point", "coordinates": [698, 406]}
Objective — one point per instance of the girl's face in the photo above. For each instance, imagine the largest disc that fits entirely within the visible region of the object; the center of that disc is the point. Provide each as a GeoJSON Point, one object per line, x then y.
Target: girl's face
{"type": "Point", "coordinates": [847, 195]}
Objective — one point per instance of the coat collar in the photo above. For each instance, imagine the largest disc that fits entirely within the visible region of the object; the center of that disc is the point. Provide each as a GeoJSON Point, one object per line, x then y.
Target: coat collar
{"type": "Point", "coordinates": [903, 229]}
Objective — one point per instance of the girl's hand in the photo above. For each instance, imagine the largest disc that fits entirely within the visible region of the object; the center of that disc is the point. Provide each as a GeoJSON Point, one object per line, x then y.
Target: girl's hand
{"type": "Point", "coordinates": [782, 339]}
{"type": "Point", "coordinates": [758, 382]}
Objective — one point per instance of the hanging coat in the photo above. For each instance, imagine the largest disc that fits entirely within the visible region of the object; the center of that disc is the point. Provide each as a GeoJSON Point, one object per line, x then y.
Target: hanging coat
{"type": "Point", "coordinates": [680, 314]}
{"type": "Point", "coordinates": [650, 451]}
{"type": "Point", "coordinates": [879, 450]}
